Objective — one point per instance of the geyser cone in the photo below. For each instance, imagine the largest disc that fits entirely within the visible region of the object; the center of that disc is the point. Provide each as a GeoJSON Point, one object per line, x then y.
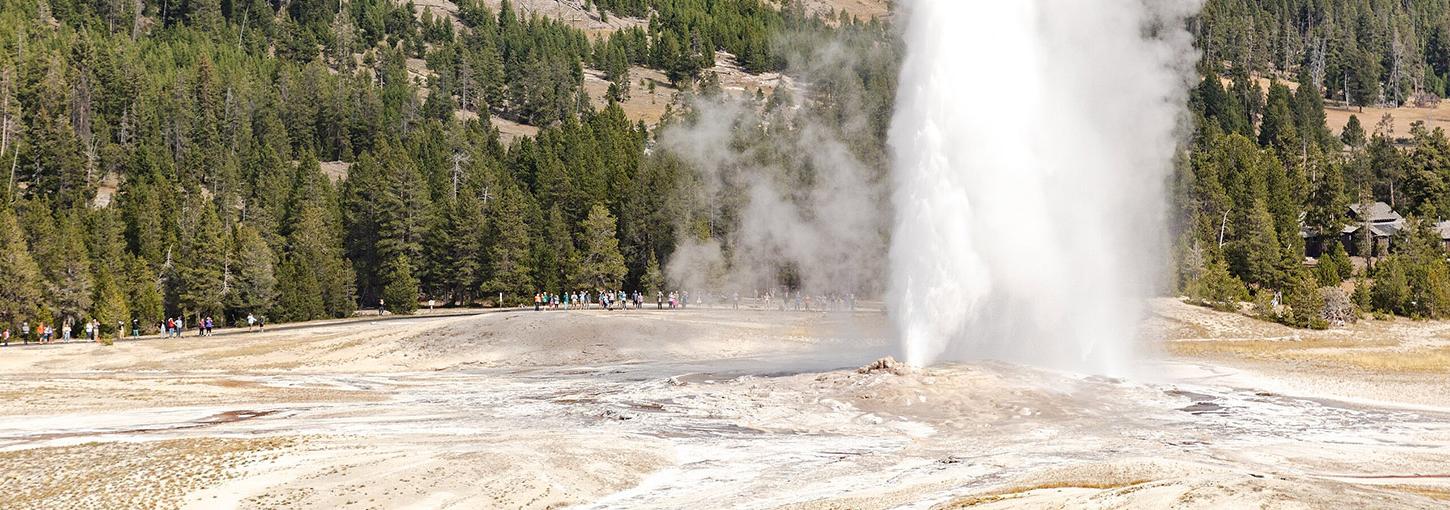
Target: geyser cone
{"type": "Point", "coordinates": [1032, 143]}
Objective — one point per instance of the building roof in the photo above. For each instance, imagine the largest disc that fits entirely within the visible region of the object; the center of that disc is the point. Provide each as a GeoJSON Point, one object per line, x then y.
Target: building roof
{"type": "Point", "coordinates": [1378, 212]}
{"type": "Point", "coordinates": [1387, 229]}
{"type": "Point", "coordinates": [1444, 229]}
{"type": "Point", "coordinates": [1383, 220]}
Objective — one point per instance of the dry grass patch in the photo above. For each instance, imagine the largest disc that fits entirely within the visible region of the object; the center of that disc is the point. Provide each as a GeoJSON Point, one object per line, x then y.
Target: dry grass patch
{"type": "Point", "coordinates": [1418, 361]}
{"type": "Point", "coordinates": [1375, 355]}
{"type": "Point", "coordinates": [1269, 349]}
{"type": "Point", "coordinates": [1016, 491]}
{"type": "Point", "coordinates": [1438, 493]}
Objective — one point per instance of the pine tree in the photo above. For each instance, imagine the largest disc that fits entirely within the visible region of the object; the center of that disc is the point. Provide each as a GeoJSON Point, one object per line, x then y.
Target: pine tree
{"type": "Point", "coordinates": [299, 293]}
{"type": "Point", "coordinates": [1353, 133]}
{"type": "Point", "coordinates": [206, 14]}
{"type": "Point", "coordinates": [1326, 272]}
{"type": "Point", "coordinates": [201, 262]}
{"type": "Point", "coordinates": [600, 263]}
{"type": "Point", "coordinates": [1391, 290]}
{"type": "Point", "coordinates": [454, 249]}
{"type": "Point", "coordinates": [1217, 287]}
{"type": "Point", "coordinates": [69, 269]}
{"type": "Point", "coordinates": [1306, 303]}
{"type": "Point", "coordinates": [1261, 251]}
{"type": "Point", "coordinates": [1364, 76]}
{"type": "Point", "coordinates": [1430, 288]}
{"type": "Point", "coordinates": [509, 269]}
{"type": "Point", "coordinates": [1309, 113]}
{"type": "Point", "coordinates": [62, 171]}
{"type": "Point", "coordinates": [386, 203]}
{"type": "Point", "coordinates": [145, 298]}
{"type": "Point", "coordinates": [1324, 214]}
{"type": "Point", "coordinates": [20, 296]}
{"type": "Point", "coordinates": [404, 206]}
{"type": "Point", "coordinates": [143, 210]}
{"type": "Point", "coordinates": [1425, 187]}
{"type": "Point", "coordinates": [1276, 128]}
{"type": "Point", "coordinates": [400, 288]}
{"type": "Point", "coordinates": [1340, 259]}
{"type": "Point", "coordinates": [111, 301]}
{"type": "Point", "coordinates": [253, 286]}
{"type": "Point", "coordinates": [317, 281]}
{"type": "Point", "coordinates": [653, 280]}
{"type": "Point", "coordinates": [555, 252]}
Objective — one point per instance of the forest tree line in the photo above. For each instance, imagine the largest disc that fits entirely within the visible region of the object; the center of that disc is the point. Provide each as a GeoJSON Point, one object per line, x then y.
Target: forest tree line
{"type": "Point", "coordinates": [224, 158]}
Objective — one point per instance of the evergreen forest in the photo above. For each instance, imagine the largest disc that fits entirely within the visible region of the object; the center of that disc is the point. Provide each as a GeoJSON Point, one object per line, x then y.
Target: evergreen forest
{"type": "Point", "coordinates": [302, 159]}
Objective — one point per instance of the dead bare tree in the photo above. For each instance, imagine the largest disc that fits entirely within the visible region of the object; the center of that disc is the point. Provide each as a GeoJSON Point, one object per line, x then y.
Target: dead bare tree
{"type": "Point", "coordinates": [1317, 63]}
{"type": "Point", "coordinates": [1397, 69]}
{"type": "Point", "coordinates": [6, 88]}
{"type": "Point", "coordinates": [136, 18]}
{"type": "Point", "coordinates": [459, 158]}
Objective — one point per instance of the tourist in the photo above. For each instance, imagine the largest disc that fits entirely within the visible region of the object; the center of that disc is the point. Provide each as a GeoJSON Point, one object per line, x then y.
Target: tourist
{"type": "Point", "coordinates": [90, 331]}
{"type": "Point", "coordinates": [65, 331]}
{"type": "Point", "coordinates": [538, 301]}
{"type": "Point", "coordinates": [380, 307]}
{"type": "Point", "coordinates": [25, 331]}
{"type": "Point", "coordinates": [262, 324]}
{"type": "Point", "coordinates": [5, 336]}
{"type": "Point", "coordinates": [251, 322]}
{"type": "Point", "coordinates": [135, 327]}
{"type": "Point", "coordinates": [736, 299]}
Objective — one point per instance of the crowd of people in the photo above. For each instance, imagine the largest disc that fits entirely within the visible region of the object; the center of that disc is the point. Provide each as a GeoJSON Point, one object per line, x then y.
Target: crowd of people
{"type": "Point", "coordinates": [174, 327]}
{"type": "Point", "coordinates": [797, 301]}
{"type": "Point", "coordinates": [88, 330]}
{"type": "Point", "coordinates": [607, 300]}
{"type": "Point", "coordinates": [91, 330]}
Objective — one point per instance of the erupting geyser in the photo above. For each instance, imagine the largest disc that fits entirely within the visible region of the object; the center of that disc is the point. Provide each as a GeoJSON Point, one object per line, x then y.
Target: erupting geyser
{"type": "Point", "coordinates": [1032, 144]}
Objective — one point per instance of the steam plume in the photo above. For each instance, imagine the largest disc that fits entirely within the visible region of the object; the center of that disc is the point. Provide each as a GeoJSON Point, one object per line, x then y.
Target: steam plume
{"type": "Point", "coordinates": [1031, 144]}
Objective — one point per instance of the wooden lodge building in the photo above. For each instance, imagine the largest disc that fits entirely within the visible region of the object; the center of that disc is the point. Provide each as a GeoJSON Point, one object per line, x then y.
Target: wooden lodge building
{"type": "Point", "coordinates": [1381, 220]}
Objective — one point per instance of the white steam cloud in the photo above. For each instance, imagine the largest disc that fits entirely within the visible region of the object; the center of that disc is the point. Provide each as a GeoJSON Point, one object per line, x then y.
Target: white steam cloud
{"type": "Point", "coordinates": [1032, 141]}
{"type": "Point", "coordinates": [799, 205]}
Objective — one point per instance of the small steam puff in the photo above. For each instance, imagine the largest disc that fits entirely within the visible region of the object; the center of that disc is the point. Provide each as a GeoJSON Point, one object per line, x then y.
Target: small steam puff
{"type": "Point", "coordinates": [1030, 217]}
